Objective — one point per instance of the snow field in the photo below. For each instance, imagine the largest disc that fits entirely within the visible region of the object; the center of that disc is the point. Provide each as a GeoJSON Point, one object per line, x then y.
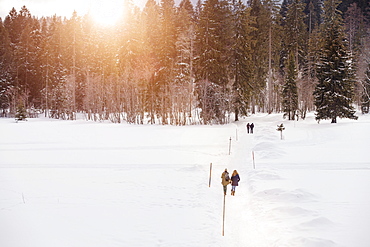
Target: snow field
{"type": "Point", "coordinates": [79, 183]}
{"type": "Point", "coordinates": [312, 188]}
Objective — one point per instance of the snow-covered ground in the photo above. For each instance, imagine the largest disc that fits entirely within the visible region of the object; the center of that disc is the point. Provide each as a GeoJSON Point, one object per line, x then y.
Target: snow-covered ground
{"type": "Point", "coordinates": [78, 183]}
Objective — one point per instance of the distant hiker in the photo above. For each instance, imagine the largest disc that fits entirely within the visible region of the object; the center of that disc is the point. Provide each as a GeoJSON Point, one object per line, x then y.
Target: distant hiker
{"type": "Point", "coordinates": [225, 180]}
{"type": "Point", "coordinates": [248, 127]}
{"type": "Point", "coordinates": [251, 126]}
{"type": "Point", "coordinates": [234, 182]}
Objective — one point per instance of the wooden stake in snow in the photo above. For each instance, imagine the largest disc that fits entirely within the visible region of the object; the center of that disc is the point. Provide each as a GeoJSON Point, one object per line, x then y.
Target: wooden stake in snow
{"type": "Point", "coordinates": [254, 164]}
{"type": "Point", "coordinates": [210, 174]}
{"type": "Point", "coordinates": [230, 146]}
{"type": "Point", "coordinates": [223, 219]}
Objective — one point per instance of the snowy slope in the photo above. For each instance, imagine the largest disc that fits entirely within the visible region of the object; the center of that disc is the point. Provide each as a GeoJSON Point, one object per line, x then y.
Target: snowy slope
{"type": "Point", "coordinates": [79, 183]}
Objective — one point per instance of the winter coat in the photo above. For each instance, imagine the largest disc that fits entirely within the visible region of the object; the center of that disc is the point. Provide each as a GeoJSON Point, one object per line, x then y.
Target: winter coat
{"type": "Point", "coordinates": [224, 182]}
{"type": "Point", "coordinates": [235, 179]}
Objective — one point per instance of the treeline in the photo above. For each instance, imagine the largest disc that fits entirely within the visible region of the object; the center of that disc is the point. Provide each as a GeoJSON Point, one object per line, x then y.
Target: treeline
{"type": "Point", "coordinates": [181, 64]}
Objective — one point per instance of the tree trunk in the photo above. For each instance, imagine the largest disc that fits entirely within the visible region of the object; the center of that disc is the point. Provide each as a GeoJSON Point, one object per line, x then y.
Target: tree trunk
{"type": "Point", "coordinates": [236, 114]}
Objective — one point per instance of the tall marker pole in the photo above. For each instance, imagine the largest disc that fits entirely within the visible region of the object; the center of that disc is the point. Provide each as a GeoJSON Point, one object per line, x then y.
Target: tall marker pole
{"type": "Point", "coordinates": [230, 146]}
{"type": "Point", "coordinates": [210, 174]}
{"type": "Point", "coordinates": [223, 220]}
{"type": "Point", "coordinates": [254, 164]}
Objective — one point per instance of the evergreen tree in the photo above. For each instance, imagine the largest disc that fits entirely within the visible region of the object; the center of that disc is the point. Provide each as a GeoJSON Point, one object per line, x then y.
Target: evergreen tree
{"type": "Point", "coordinates": [73, 47]}
{"type": "Point", "coordinates": [183, 90]}
{"type": "Point", "coordinates": [46, 65]}
{"type": "Point", "coordinates": [24, 33]}
{"type": "Point", "coordinates": [241, 61]}
{"type": "Point", "coordinates": [356, 33]}
{"type": "Point", "coordinates": [5, 69]}
{"type": "Point", "coordinates": [334, 91]}
{"type": "Point", "coordinates": [365, 100]}
{"type": "Point", "coordinates": [57, 74]}
{"type": "Point", "coordinates": [35, 77]}
{"type": "Point", "coordinates": [309, 78]}
{"type": "Point", "coordinates": [294, 32]}
{"type": "Point", "coordinates": [213, 41]}
{"type": "Point", "coordinates": [289, 94]}
{"type": "Point", "coordinates": [364, 5]}
{"type": "Point", "coordinates": [152, 31]}
{"type": "Point", "coordinates": [167, 58]}
{"type": "Point", "coordinates": [265, 55]}
{"type": "Point", "coordinates": [355, 27]}
{"type": "Point", "coordinates": [313, 11]}
{"type": "Point", "coordinates": [21, 113]}
{"type": "Point", "coordinates": [294, 42]}
{"type": "Point", "coordinates": [133, 64]}
{"type": "Point", "coordinates": [14, 23]}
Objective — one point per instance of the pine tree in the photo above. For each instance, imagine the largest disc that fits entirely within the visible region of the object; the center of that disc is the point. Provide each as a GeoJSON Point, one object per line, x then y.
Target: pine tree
{"type": "Point", "coordinates": [183, 89]}
{"type": "Point", "coordinates": [365, 99]}
{"type": "Point", "coordinates": [355, 27]}
{"type": "Point", "coordinates": [21, 113]}
{"type": "Point", "coordinates": [14, 23]}
{"type": "Point", "coordinates": [24, 33]}
{"type": "Point", "coordinates": [152, 31]}
{"type": "Point", "coordinates": [213, 41]}
{"type": "Point", "coordinates": [5, 69]}
{"type": "Point", "coordinates": [289, 94]}
{"type": "Point", "coordinates": [35, 78]}
{"type": "Point", "coordinates": [295, 32]}
{"type": "Point", "coordinates": [313, 11]}
{"type": "Point", "coordinates": [57, 74]}
{"type": "Point", "coordinates": [72, 41]}
{"type": "Point", "coordinates": [264, 52]}
{"type": "Point", "coordinates": [241, 61]}
{"type": "Point", "coordinates": [133, 69]}
{"type": "Point", "coordinates": [18, 26]}
{"type": "Point", "coordinates": [364, 5]}
{"type": "Point", "coordinates": [357, 35]}
{"type": "Point", "coordinates": [167, 59]}
{"type": "Point", "coordinates": [294, 42]}
{"type": "Point", "coordinates": [334, 91]}
{"type": "Point", "coordinates": [309, 78]}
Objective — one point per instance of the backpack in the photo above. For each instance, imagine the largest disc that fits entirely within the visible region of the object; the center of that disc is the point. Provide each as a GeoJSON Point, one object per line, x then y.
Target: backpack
{"type": "Point", "coordinates": [227, 178]}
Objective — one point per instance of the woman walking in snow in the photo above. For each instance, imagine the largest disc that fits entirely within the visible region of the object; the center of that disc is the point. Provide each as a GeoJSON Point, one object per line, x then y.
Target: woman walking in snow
{"type": "Point", "coordinates": [234, 182]}
{"type": "Point", "coordinates": [225, 180]}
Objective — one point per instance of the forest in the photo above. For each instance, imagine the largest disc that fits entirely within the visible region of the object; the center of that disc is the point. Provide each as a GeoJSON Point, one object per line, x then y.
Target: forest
{"type": "Point", "coordinates": [208, 63]}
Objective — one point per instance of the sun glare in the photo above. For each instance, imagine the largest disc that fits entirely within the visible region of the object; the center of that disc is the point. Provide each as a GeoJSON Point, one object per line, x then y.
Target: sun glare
{"type": "Point", "coordinates": [107, 12]}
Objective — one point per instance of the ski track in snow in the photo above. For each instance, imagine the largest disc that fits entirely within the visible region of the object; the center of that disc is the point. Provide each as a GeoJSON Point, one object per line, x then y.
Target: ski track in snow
{"type": "Point", "coordinates": [79, 183]}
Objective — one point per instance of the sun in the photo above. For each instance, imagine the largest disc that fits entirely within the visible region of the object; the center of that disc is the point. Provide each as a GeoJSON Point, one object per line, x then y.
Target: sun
{"type": "Point", "coordinates": [107, 12]}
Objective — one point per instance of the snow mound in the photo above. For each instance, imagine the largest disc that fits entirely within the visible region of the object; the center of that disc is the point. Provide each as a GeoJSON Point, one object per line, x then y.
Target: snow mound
{"type": "Point", "coordinates": [293, 211]}
{"type": "Point", "coordinates": [297, 195]}
{"type": "Point", "coordinates": [313, 242]}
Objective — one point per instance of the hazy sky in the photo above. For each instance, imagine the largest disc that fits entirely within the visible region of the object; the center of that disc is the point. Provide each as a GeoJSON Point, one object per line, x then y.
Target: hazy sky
{"type": "Point", "coordinates": [41, 8]}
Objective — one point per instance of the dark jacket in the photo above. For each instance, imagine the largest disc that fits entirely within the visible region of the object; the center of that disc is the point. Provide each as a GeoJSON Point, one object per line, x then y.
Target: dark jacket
{"type": "Point", "coordinates": [235, 179]}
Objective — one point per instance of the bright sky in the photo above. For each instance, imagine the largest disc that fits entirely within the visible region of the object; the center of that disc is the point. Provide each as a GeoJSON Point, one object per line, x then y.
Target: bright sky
{"type": "Point", "coordinates": [105, 11]}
